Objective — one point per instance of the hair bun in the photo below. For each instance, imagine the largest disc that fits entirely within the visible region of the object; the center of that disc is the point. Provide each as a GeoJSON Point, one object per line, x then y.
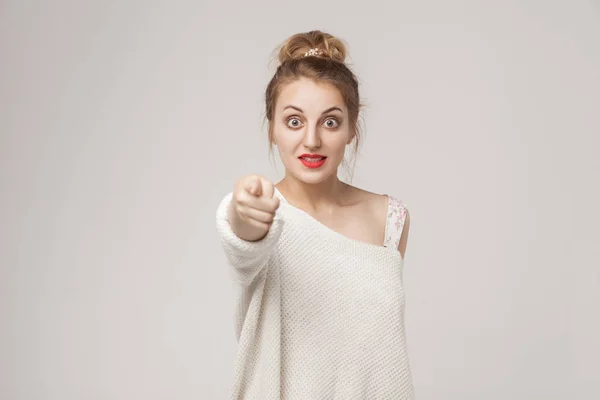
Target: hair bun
{"type": "Point", "coordinates": [313, 43]}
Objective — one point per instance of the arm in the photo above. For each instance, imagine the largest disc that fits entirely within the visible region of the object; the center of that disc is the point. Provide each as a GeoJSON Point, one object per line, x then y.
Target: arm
{"type": "Point", "coordinates": [248, 258]}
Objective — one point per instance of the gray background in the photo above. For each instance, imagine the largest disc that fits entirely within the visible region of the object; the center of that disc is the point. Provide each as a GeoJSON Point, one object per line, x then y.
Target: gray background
{"type": "Point", "coordinates": [124, 123]}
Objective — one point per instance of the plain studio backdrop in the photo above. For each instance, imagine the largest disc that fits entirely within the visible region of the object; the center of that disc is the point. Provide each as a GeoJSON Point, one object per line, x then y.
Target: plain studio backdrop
{"type": "Point", "coordinates": [124, 123]}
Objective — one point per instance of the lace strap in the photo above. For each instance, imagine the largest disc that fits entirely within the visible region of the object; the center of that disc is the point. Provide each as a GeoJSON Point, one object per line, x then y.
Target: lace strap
{"type": "Point", "coordinates": [396, 214]}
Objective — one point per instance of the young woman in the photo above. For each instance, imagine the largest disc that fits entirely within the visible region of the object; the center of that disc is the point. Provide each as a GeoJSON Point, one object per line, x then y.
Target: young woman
{"type": "Point", "coordinates": [318, 261]}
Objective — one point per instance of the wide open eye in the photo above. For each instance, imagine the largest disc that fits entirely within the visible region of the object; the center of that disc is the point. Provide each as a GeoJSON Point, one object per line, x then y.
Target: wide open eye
{"type": "Point", "coordinates": [332, 123]}
{"type": "Point", "coordinates": [294, 122]}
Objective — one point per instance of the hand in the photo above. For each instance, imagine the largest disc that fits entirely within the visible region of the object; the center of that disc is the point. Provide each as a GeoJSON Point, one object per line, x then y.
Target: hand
{"type": "Point", "coordinates": [253, 207]}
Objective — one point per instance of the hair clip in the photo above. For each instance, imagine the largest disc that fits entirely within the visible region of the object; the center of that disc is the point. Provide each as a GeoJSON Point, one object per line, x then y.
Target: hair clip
{"type": "Point", "coordinates": [313, 52]}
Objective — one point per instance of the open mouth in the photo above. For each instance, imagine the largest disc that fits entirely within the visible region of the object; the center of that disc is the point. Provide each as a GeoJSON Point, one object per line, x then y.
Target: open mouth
{"type": "Point", "coordinates": [312, 159]}
{"type": "Point", "coordinates": [312, 162]}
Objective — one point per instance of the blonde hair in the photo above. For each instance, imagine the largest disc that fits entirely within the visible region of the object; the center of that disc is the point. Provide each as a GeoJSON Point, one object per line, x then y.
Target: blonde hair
{"type": "Point", "coordinates": [325, 63]}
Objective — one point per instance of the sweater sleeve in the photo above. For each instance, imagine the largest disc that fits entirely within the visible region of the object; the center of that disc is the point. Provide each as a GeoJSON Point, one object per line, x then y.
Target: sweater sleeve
{"type": "Point", "coordinates": [247, 258]}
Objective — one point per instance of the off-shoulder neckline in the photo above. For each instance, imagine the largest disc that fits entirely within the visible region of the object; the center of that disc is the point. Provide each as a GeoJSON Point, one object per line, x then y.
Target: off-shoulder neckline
{"type": "Point", "coordinates": [395, 253]}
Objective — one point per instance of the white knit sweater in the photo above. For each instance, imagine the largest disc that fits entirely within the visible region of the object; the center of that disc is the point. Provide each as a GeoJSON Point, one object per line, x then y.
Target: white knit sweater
{"type": "Point", "coordinates": [319, 315]}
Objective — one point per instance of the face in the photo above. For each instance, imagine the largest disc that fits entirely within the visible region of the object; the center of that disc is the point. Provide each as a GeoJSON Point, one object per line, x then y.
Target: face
{"type": "Point", "coordinates": [311, 118]}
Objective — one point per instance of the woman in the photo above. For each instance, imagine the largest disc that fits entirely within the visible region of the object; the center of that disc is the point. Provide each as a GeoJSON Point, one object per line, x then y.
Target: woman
{"type": "Point", "coordinates": [318, 261]}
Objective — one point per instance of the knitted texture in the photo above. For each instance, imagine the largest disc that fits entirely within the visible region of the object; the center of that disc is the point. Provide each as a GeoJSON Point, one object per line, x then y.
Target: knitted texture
{"type": "Point", "coordinates": [319, 315]}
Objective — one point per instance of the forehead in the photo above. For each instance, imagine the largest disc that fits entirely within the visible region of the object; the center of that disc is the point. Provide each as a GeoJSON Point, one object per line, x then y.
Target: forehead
{"type": "Point", "coordinates": [310, 95]}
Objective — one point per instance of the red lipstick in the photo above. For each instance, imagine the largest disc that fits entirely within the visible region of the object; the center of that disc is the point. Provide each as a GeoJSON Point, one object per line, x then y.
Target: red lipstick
{"type": "Point", "coordinates": [312, 160]}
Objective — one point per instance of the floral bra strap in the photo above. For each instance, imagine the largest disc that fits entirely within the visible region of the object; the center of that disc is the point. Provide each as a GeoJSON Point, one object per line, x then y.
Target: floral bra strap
{"type": "Point", "coordinates": [396, 215]}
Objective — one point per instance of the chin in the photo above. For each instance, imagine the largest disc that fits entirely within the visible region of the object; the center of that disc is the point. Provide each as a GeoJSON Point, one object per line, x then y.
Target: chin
{"type": "Point", "coordinates": [313, 177]}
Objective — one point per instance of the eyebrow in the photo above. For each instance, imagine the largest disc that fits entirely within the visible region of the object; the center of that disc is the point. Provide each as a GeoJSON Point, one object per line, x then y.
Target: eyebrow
{"type": "Point", "coordinates": [324, 112]}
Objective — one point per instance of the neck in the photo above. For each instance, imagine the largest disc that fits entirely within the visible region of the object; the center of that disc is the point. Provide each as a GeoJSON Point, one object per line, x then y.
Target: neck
{"type": "Point", "coordinates": [313, 196]}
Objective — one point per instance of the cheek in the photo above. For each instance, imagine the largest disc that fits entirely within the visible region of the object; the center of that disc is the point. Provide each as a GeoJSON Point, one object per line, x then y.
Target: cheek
{"type": "Point", "coordinates": [285, 142]}
{"type": "Point", "coordinates": [286, 138]}
{"type": "Point", "coordinates": [337, 143]}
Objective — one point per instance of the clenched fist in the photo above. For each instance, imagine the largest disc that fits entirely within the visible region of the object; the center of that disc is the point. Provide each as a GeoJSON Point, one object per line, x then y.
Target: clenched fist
{"type": "Point", "coordinates": [252, 207]}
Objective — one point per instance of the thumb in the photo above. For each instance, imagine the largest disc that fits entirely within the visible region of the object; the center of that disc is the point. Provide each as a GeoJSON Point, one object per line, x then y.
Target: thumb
{"type": "Point", "coordinates": [255, 187]}
{"type": "Point", "coordinates": [268, 189]}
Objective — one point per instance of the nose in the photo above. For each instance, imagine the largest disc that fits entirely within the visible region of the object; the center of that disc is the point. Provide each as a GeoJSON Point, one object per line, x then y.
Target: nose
{"type": "Point", "coordinates": [311, 137]}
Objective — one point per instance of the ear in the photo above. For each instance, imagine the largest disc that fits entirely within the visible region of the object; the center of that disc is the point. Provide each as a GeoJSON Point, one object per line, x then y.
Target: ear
{"type": "Point", "coordinates": [351, 139]}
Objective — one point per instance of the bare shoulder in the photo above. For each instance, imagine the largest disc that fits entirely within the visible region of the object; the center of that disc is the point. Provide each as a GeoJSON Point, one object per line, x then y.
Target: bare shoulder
{"type": "Point", "coordinates": [376, 205]}
{"type": "Point", "coordinates": [371, 207]}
